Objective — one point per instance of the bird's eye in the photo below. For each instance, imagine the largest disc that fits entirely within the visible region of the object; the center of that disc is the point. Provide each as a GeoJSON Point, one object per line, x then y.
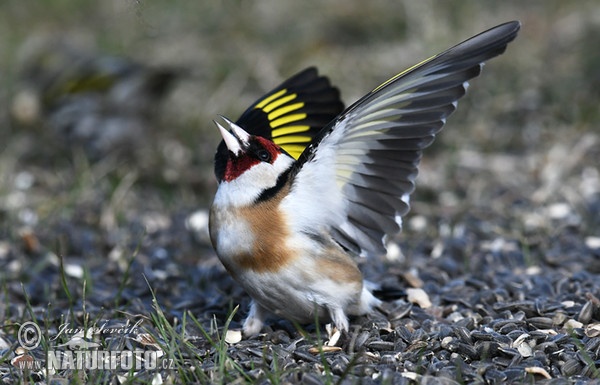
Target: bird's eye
{"type": "Point", "coordinates": [264, 155]}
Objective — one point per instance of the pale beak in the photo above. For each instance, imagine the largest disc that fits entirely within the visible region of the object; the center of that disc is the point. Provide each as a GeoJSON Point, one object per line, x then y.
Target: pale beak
{"type": "Point", "coordinates": [237, 140]}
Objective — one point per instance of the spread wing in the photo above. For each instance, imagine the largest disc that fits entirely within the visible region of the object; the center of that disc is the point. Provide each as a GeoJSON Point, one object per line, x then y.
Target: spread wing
{"type": "Point", "coordinates": [359, 172]}
{"type": "Point", "coordinates": [292, 114]}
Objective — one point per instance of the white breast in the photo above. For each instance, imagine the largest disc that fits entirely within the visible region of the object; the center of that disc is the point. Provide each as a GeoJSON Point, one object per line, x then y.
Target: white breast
{"type": "Point", "coordinates": [231, 234]}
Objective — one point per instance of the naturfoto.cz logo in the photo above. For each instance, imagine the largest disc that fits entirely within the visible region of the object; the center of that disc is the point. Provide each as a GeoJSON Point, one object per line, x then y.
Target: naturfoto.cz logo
{"type": "Point", "coordinates": [83, 352]}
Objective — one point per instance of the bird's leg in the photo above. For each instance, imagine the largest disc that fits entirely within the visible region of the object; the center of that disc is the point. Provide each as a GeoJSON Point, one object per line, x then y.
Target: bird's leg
{"type": "Point", "coordinates": [255, 320]}
{"type": "Point", "coordinates": [339, 318]}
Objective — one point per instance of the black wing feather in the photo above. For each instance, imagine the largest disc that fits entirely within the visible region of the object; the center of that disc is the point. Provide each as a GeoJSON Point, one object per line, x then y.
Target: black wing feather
{"type": "Point", "coordinates": [389, 128]}
{"type": "Point", "coordinates": [275, 117]}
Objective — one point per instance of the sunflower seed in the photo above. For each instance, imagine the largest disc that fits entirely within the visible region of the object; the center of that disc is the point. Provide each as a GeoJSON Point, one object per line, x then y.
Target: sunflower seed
{"type": "Point", "coordinates": [571, 367]}
{"type": "Point", "coordinates": [586, 313]}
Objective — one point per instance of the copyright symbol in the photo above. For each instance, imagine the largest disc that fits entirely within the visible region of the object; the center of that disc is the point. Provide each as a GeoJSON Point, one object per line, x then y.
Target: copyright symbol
{"type": "Point", "coordinates": [30, 335]}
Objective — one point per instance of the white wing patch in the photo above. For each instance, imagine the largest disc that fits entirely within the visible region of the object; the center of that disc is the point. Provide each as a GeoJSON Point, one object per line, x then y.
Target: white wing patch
{"type": "Point", "coordinates": [315, 201]}
{"type": "Point", "coordinates": [356, 181]}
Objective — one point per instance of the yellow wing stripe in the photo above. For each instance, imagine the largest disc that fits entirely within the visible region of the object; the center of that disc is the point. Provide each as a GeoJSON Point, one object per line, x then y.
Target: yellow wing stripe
{"type": "Point", "coordinates": [289, 130]}
{"type": "Point", "coordinates": [293, 149]}
{"type": "Point", "coordinates": [284, 110]}
{"type": "Point", "coordinates": [278, 102]}
{"type": "Point", "coordinates": [402, 73]}
{"type": "Point", "coordinates": [287, 119]}
{"type": "Point", "coordinates": [292, 139]}
{"type": "Point", "coordinates": [269, 99]}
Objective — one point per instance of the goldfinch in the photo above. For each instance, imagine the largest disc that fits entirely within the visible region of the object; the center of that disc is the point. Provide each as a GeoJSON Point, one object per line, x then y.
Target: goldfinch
{"type": "Point", "coordinates": [304, 187]}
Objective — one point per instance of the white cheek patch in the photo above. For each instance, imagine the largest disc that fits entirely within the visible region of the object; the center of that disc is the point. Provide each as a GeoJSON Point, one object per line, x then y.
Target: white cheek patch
{"type": "Point", "coordinates": [245, 189]}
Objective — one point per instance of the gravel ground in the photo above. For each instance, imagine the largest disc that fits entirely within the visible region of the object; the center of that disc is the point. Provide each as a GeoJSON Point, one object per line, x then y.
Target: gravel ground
{"type": "Point", "coordinates": [494, 279]}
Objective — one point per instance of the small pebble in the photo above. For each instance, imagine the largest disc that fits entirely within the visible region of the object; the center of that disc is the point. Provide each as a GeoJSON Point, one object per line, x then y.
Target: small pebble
{"type": "Point", "coordinates": [233, 336]}
{"type": "Point", "coordinates": [419, 297]}
{"type": "Point", "coordinates": [592, 242]}
{"type": "Point", "coordinates": [573, 324]}
{"type": "Point", "coordinates": [540, 371]}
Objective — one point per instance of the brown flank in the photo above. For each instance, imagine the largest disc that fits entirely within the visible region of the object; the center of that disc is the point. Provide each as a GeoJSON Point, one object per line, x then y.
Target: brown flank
{"type": "Point", "coordinates": [269, 253]}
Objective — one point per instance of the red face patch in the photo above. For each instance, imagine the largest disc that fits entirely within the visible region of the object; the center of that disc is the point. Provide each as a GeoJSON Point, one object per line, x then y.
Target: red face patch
{"type": "Point", "coordinates": [237, 165]}
{"type": "Point", "coordinates": [259, 150]}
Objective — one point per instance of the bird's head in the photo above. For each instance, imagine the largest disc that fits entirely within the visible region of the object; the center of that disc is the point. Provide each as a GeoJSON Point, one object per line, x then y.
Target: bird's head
{"type": "Point", "coordinates": [249, 162]}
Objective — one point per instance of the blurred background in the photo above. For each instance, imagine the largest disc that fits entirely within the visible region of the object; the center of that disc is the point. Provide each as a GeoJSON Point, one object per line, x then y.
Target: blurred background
{"type": "Point", "coordinates": [107, 143]}
{"type": "Point", "coordinates": [106, 111]}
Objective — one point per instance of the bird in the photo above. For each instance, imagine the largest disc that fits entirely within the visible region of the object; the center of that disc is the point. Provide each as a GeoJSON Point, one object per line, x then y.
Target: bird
{"type": "Point", "coordinates": [306, 188]}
